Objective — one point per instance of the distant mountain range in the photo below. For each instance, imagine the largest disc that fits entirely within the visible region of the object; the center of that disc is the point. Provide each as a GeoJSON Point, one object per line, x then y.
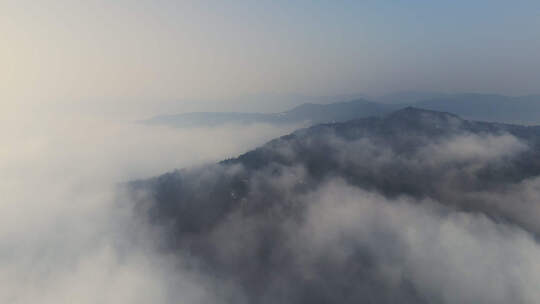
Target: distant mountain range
{"type": "Point", "coordinates": [308, 112]}
{"type": "Point", "coordinates": [485, 107]}
{"type": "Point", "coordinates": [340, 206]}
{"type": "Point", "coordinates": [488, 107]}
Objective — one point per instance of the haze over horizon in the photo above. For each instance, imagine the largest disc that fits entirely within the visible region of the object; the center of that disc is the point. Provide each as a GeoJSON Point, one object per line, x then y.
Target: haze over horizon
{"type": "Point", "coordinates": [161, 56]}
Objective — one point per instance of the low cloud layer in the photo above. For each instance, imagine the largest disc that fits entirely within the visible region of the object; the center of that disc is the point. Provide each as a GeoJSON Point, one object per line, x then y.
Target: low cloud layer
{"type": "Point", "coordinates": [417, 207]}
{"type": "Point", "coordinates": [447, 256]}
{"type": "Point", "coordinates": [438, 210]}
{"type": "Point", "coordinates": [67, 235]}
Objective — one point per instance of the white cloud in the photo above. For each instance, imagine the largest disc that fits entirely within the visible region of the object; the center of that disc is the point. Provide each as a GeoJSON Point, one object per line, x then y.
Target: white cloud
{"type": "Point", "coordinates": [65, 233]}
{"type": "Point", "coordinates": [450, 256]}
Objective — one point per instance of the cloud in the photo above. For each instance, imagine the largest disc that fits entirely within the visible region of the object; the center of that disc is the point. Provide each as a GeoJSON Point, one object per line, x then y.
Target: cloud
{"type": "Point", "coordinates": [320, 216]}
{"type": "Point", "coordinates": [449, 256]}
{"type": "Point", "coordinates": [472, 147]}
{"type": "Point", "coordinates": [312, 217]}
{"type": "Point", "coordinates": [68, 235]}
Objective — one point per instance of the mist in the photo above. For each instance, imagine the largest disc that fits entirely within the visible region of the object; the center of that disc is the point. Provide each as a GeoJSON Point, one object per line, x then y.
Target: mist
{"type": "Point", "coordinates": [67, 234]}
{"type": "Point", "coordinates": [415, 207]}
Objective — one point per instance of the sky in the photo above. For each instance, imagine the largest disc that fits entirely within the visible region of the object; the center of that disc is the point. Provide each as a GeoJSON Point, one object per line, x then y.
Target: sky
{"type": "Point", "coordinates": [153, 56]}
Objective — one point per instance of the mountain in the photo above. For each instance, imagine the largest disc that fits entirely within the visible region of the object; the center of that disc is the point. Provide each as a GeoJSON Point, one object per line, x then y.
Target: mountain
{"type": "Point", "coordinates": [399, 208]}
{"type": "Point", "coordinates": [311, 113]}
{"type": "Point", "coordinates": [486, 107]}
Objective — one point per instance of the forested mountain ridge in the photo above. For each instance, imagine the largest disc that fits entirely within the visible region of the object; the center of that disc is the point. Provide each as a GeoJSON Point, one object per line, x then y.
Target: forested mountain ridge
{"type": "Point", "coordinates": [293, 219]}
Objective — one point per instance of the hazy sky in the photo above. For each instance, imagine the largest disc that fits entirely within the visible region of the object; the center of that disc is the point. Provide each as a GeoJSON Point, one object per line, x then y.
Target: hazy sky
{"type": "Point", "coordinates": [139, 56]}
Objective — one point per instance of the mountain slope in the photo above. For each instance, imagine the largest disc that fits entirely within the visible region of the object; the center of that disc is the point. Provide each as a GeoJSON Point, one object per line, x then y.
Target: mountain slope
{"type": "Point", "coordinates": [392, 209]}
